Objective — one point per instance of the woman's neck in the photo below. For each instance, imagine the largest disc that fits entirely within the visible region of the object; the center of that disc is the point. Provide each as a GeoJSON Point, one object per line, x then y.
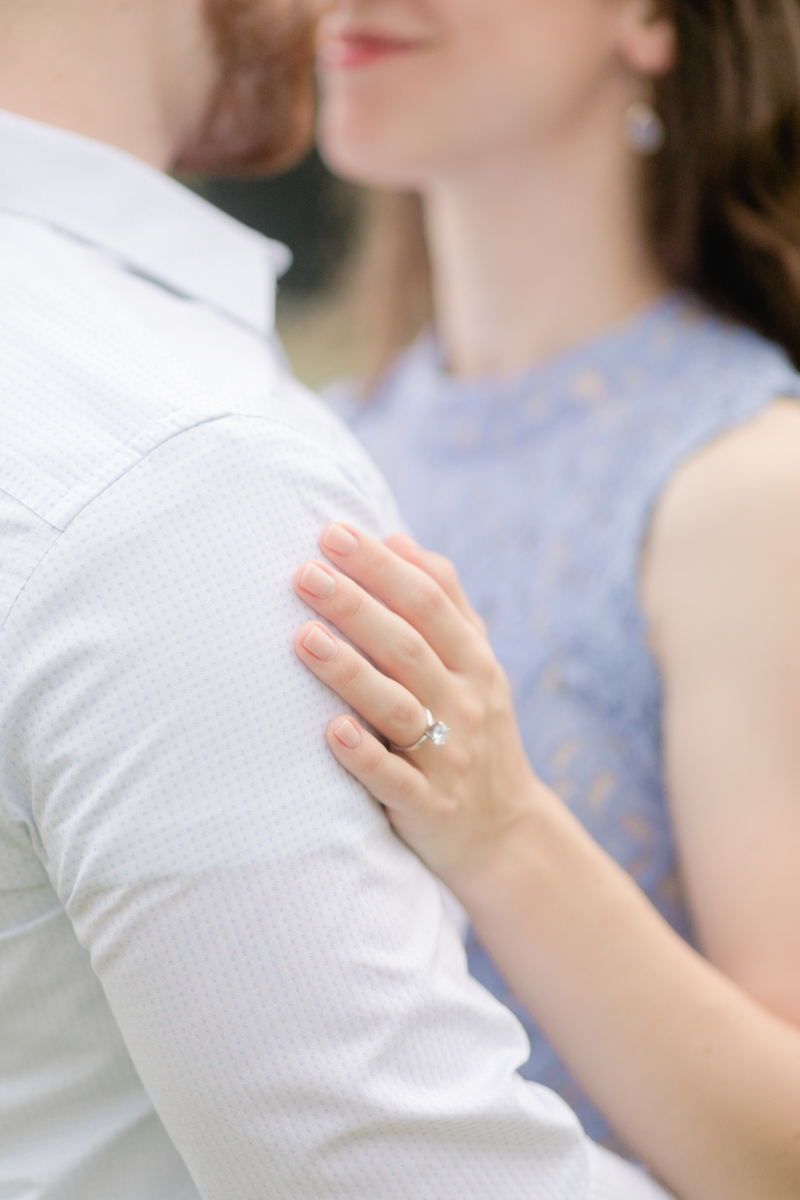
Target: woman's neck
{"type": "Point", "coordinates": [532, 254]}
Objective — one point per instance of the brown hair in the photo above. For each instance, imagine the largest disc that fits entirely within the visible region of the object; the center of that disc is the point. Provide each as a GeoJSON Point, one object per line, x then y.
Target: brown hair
{"type": "Point", "coordinates": [261, 118]}
{"type": "Point", "coordinates": [723, 194]}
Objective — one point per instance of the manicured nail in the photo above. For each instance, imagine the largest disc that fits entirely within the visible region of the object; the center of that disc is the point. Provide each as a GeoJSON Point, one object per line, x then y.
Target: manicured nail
{"type": "Point", "coordinates": [339, 540]}
{"type": "Point", "coordinates": [320, 644]}
{"type": "Point", "coordinates": [348, 735]}
{"type": "Point", "coordinates": [317, 582]}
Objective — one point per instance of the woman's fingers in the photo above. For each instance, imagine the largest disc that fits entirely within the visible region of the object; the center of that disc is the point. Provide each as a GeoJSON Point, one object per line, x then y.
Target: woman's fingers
{"type": "Point", "coordinates": [409, 591]}
{"type": "Point", "coordinates": [393, 782]}
{"type": "Point", "coordinates": [439, 568]}
{"type": "Point", "coordinates": [381, 701]}
{"type": "Point", "coordinates": [387, 639]}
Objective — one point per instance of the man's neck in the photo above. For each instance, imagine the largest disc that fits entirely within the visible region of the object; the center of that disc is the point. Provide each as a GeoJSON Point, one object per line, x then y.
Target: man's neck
{"type": "Point", "coordinates": [533, 253]}
{"type": "Point", "coordinates": [102, 69]}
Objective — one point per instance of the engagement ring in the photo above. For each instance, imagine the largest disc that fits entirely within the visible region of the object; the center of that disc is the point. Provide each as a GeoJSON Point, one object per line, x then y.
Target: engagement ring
{"type": "Point", "coordinates": [436, 732]}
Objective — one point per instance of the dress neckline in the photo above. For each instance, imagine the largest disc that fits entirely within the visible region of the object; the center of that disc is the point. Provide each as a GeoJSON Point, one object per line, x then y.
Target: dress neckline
{"type": "Point", "coordinates": [626, 339]}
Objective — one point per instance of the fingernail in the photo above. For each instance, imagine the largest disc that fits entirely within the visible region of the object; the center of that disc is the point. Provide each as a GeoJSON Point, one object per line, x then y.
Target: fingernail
{"type": "Point", "coordinates": [317, 582]}
{"type": "Point", "coordinates": [320, 644]}
{"type": "Point", "coordinates": [348, 735]}
{"type": "Point", "coordinates": [339, 540]}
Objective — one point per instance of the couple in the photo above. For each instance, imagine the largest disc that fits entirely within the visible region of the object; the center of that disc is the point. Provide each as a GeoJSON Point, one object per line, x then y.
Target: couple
{"type": "Point", "coordinates": [223, 975]}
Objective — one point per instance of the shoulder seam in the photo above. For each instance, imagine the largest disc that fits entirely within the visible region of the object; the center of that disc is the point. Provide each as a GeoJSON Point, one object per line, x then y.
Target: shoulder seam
{"type": "Point", "coordinates": [183, 421]}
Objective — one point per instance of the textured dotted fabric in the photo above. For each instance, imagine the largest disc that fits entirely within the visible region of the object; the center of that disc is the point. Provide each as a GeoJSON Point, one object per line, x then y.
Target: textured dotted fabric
{"type": "Point", "coordinates": [220, 973]}
{"type": "Point", "coordinates": [540, 489]}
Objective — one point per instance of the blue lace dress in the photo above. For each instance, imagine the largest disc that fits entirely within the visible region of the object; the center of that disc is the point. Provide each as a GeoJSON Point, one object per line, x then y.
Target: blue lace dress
{"type": "Point", "coordinates": [540, 489]}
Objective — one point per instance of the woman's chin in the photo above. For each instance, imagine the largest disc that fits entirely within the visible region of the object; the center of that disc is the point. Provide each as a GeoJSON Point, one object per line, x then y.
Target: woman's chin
{"type": "Point", "coordinates": [370, 162]}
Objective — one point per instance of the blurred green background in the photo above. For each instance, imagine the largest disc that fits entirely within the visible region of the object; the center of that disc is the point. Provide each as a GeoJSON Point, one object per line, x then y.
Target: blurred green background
{"type": "Point", "coordinates": [317, 217]}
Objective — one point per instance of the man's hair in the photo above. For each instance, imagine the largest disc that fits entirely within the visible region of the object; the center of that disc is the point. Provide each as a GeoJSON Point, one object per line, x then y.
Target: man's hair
{"type": "Point", "coordinates": [261, 117]}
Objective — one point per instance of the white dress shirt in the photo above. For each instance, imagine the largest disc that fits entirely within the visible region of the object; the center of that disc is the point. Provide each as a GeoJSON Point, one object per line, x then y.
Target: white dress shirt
{"type": "Point", "coordinates": [220, 973]}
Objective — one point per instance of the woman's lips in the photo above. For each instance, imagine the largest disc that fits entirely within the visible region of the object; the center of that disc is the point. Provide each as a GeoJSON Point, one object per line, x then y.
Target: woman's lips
{"type": "Point", "coordinates": [362, 49]}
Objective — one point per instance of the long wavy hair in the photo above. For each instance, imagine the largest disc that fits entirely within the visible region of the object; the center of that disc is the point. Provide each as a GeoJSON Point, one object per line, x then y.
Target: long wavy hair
{"type": "Point", "coordinates": [723, 195]}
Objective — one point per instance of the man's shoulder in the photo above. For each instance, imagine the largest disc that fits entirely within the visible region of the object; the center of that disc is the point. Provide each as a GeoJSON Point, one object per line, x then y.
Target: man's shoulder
{"type": "Point", "coordinates": [83, 383]}
{"type": "Point", "coordinates": [88, 391]}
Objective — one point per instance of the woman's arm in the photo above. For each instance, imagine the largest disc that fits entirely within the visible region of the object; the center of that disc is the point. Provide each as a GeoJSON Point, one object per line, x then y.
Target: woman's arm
{"type": "Point", "coordinates": [700, 1078]}
{"type": "Point", "coordinates": [722, 590]}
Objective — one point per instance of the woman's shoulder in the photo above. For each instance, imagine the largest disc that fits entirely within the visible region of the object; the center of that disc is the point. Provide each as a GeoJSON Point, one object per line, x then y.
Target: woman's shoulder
{"type": "Point", "coordinates": [707, 355]}
{"type": "Point", "coordinates": [741, 487]}
{"type": "Point", "coordinates": [700, 376]}
{"type": "Point", "coordinates": [726, 493]}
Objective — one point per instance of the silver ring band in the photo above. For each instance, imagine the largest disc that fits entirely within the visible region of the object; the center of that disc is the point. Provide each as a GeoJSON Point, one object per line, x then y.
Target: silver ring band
{"type": "Point", "coordinates": [435, 732]}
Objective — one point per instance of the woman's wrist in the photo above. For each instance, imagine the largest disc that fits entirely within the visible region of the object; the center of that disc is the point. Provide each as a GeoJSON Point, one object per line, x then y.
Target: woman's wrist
{"type": "Point", "coordinates": [542, 873]}
{"type": "Point", "coordinates": [519, 862]}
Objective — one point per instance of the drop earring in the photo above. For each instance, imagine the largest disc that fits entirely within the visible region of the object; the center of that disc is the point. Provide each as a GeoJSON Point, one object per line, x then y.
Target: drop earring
{"type": "Point", "coordinates": [644, 129]}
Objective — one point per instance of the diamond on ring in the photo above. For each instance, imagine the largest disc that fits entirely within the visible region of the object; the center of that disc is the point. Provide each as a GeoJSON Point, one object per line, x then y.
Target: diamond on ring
{"type": "Point", "coordinates": [437, 733]}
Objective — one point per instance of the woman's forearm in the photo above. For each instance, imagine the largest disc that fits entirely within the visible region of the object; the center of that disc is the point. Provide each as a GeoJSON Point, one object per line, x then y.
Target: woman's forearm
{"type": "Point", "coordinates": [701, 1081]}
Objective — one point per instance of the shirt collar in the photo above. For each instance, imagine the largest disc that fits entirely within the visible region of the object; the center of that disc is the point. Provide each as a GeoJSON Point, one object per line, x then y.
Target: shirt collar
{"type": "Point", "coordinates": [107, 198]}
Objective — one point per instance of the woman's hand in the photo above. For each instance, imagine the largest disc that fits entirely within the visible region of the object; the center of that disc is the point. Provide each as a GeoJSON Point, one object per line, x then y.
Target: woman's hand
{"type": "Point", "coordinates": [659, 1038]}
{"type": "Point", "coordinates": [417, 644]}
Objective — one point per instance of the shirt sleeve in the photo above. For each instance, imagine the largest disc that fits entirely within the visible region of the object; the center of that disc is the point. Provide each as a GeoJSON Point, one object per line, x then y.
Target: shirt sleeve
{"type": "Point", "coordinates": [292, 995]}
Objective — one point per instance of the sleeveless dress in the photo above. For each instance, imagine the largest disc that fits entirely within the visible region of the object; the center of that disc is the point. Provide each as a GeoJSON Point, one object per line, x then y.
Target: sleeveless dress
{"type": "Point", "coordinates": [540, 489]}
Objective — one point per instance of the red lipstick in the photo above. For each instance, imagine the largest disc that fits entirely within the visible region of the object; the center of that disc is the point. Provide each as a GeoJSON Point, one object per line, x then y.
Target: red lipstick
{"type": "Point", "coordinates": [355, 49]}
